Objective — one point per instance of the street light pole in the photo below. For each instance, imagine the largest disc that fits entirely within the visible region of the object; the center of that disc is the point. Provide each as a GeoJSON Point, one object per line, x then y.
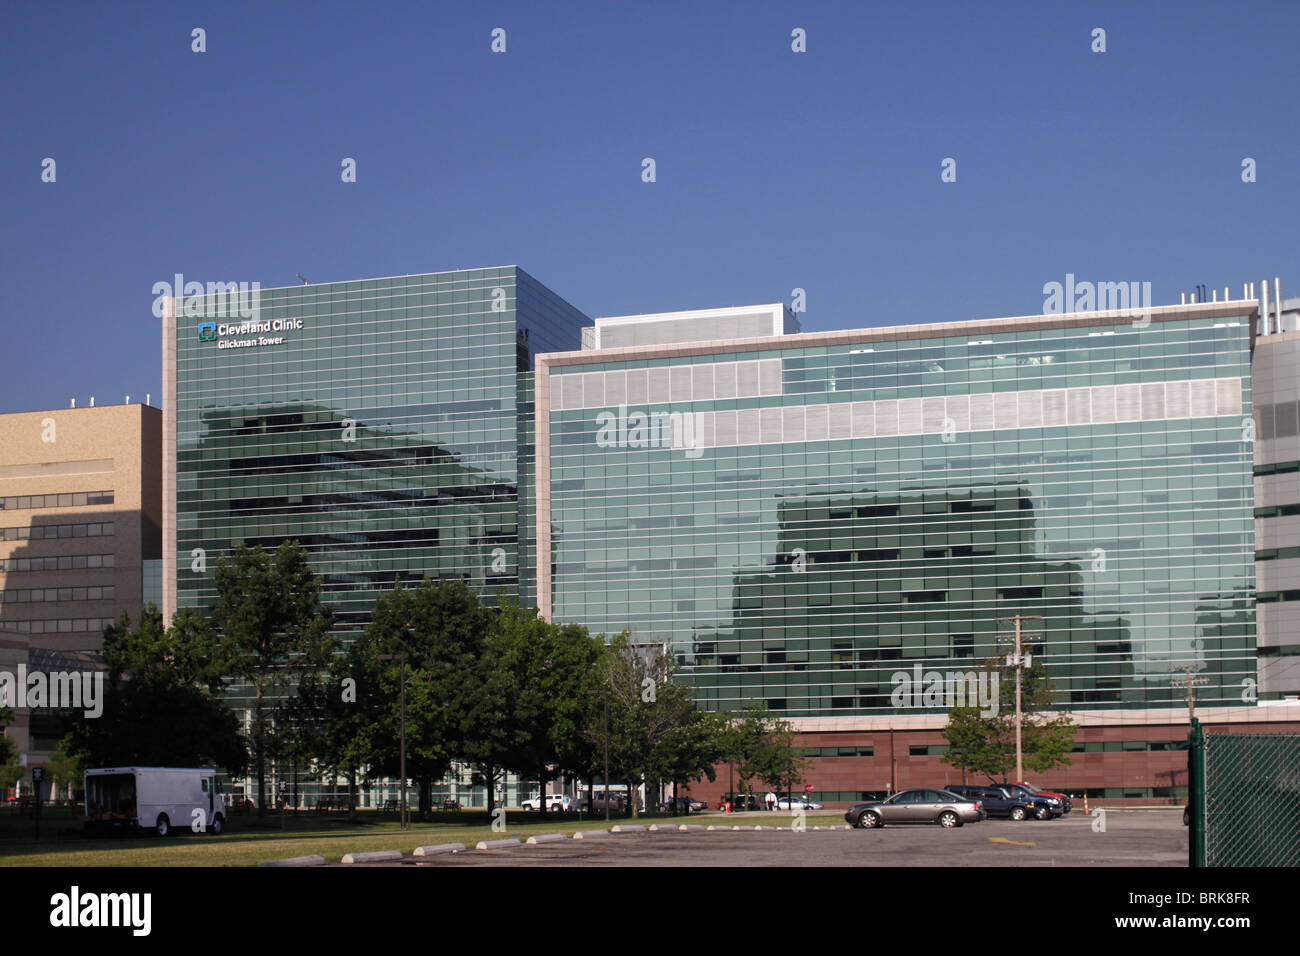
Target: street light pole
{"type": "Point", "coordinates": [403, 745]}
{"type": "Point", "coordinates": [606, 696]}
{"type": "Point", "coordinates": [1019, 660]}
{"type": "Point", "coordinates": [604, 693]}
{"type": "Point", "coordinates": [402, 724]}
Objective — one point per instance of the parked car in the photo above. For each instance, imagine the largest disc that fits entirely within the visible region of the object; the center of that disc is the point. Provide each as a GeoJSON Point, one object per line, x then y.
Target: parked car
{"type": "Point", "coordinates": [801, 802]}
{"type": "Point", "coordinates": [684, 805]}
{"type": "Point", "coordinates": [999, 801]}
{"type": "Point", "coordinates": [742, 801]}
{"type": "Point", "coordinates": [1058, 804]}
{"type": "Point", "coordinates": [554, 801]}
{"type": "Point", "coordinates": [617, 801]}
{"type": "Point", "coordinates": [1065, 800]}
{"type": "Point", "coordinates": [916, 806]}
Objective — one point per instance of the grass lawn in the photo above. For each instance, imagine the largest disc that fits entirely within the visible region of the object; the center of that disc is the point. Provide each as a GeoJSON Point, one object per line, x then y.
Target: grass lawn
{"type": "Point", "coordinates": [245, 843]}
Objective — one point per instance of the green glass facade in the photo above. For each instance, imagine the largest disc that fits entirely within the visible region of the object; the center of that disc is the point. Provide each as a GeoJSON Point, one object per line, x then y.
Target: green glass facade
{"type": "Point", "coordinates": [378, 422]}
{"type": "Point", "coordinates": [820, 517]}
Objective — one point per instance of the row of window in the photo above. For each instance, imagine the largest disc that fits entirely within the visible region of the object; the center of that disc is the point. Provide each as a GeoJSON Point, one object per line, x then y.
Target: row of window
{"type": "Point", "coordinates": [38, 595]}
{"type": "Point", "coordinates": [67, 562]}
{"type": "Point", "coordinates": [1277, 511]}
{"type": "Point", "coordinates": [1277, 554]}
{"type": "Point", "coordinates": [929, 750]}
{"type": "Point", "coordinates": [1278, 468]}
{"type": "Point", "coordinates": [63, 625]}
{"type": "Point", "coordinates": [76, 499]}
{"type": "Point", "coordinates": [45, 532]}
{"type": "Point", "coordinates": [1269, 597]}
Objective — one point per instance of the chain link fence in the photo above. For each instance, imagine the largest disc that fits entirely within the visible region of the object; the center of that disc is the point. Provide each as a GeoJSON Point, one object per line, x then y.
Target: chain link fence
{"type": "Point", "coordinates": [1244, 805]}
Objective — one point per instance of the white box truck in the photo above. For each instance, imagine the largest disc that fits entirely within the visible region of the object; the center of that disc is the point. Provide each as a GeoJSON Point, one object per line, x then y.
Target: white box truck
{"type": "Point", "coordinates": [154, 798]}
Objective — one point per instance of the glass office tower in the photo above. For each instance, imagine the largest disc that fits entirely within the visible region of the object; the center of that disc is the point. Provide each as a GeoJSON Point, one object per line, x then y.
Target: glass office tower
{"type": "Point", "coordinates": [804, 517]}
{"type": "Point", "coordinates": [377, 422]}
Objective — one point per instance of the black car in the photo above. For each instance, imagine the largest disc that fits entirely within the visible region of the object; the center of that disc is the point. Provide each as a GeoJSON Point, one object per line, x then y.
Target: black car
{"type": "Point", "coordinates": [999, 801]}
{"type": "Point", "coordinates": [1057, 806]}
{"type": "Point", "coordinates": [742, 801]}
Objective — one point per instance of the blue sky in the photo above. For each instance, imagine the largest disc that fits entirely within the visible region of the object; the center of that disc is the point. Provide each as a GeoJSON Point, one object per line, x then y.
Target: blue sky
{"type": "Point", "coordinates": [775, 169]}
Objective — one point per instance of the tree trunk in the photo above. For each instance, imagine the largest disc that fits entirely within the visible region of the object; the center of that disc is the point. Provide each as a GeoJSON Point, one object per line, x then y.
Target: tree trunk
{"type": "Point", "coordinates": [631, 799]}
{"type": "Point", "coordinates": [591, 791]}
{"type": "Point", "coordinates": [491, 778]}
{"type": "Point", "coordinates": [352, 796]}
{"type": "Point", "coordinates": [426, 796]}
{"type": "Point", "coordinates": [259, 743]}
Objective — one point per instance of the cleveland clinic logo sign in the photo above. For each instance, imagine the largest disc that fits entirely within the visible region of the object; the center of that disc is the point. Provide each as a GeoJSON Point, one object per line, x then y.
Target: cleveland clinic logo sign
{"type": "Point", "coordinates": [247, 334]}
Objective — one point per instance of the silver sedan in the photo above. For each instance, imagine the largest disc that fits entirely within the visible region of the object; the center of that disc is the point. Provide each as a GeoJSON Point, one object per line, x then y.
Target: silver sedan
{"type": "Point", "coordinates": [916, 806]}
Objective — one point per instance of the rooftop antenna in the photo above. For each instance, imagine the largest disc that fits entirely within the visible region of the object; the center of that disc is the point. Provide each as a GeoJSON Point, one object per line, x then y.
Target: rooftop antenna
{"type": "Point", "coordinates": [303, 278]}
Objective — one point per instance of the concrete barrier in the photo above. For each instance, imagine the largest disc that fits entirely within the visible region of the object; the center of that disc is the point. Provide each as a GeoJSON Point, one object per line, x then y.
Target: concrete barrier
{"type": "Point", "coordinates": [314, 860]}
{"type": "Point", "coordinates": [438, 848]}
{"type": "Point", "coordinates": [545, 838]}
{"type": "Point", "coordinates": [497, 844]}
{"type": "Point", "coordinates": [627, 828]}
{"type": "Point", "coordinates": [590, 834]}
{"type": "Point", "coordinates": [684, 827]}
{"type": "Point", "coordinates": [373, 856]}
{"type": "Point", "coordinates": [722, 827]}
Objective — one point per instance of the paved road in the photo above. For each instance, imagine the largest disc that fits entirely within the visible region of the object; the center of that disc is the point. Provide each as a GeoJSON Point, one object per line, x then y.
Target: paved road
{"type": "Point", "coordinates": [1131, 838]}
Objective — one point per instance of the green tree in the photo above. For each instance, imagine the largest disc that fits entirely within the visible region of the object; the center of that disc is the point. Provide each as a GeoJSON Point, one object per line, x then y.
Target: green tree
{"type": "Point", "coordinates": [336, 718]}
{"type": "Point", "coordinates": [743, 740]}
{"type": "Point", "coordinates": [649, 711]}
{"type": "Point", "coordinates": [987, 744]}
{"type": "Point", "coordinates": [188, 652]}
{"type": "Point", "coordinates": [778, 762]}
{"type": "Point", "coordinates": [690, 751]}
{"type": "Point", "coordinates": [158, 709]}
{"type": "Point", "coordinates": [10, 771]}
{"type": "Point", "coordinates": [442, 628]}
{"type": "Point", "coordinates": [539, 675]}
{"type": "Point", "coordinates": [274, 630]}
{"type": "Point", "coordinates": [64, 767]}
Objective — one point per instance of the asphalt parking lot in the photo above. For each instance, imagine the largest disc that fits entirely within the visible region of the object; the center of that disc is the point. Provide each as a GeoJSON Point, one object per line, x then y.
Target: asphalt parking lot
{"type": "Point", "coordinates": [1129, 838]}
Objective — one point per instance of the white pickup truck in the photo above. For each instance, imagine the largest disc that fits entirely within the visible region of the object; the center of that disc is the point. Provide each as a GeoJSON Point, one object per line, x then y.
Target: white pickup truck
{"type": "Point", "coordinates": [154, 798]}
{"type": "Point", "coordinates": [554, 801]}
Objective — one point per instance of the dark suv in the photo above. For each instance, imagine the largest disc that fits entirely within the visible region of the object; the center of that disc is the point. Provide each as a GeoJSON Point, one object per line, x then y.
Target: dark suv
{"type": "Point", "coordinates": [1059, 805]}
{"type": "Point", "coordinates": [999, 801]}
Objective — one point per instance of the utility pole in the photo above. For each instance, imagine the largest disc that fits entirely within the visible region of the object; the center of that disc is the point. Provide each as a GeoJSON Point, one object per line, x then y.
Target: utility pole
{"type": "Point", "coordinates": [1190, 682]}
{"type": "Point", "coordinates": [1019, 660]}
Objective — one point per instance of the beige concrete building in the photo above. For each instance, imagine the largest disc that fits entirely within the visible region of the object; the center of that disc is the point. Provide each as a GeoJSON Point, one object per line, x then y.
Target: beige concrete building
{"type": "Point", "coordinates": [80, 518]}
{"type": "Point", "coordinates": [80, 540]}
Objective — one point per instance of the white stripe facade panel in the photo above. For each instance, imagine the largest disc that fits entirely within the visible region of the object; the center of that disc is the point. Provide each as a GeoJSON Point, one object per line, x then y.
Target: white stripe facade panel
{"type": "Point", "coordinates": [702, 383]}
{"type": "Point", "coordinates": [816, 423]}
{"type": "Point", "coordinates": [985, 411]}
{"type": "Point", "coordinates": [616, 388]}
